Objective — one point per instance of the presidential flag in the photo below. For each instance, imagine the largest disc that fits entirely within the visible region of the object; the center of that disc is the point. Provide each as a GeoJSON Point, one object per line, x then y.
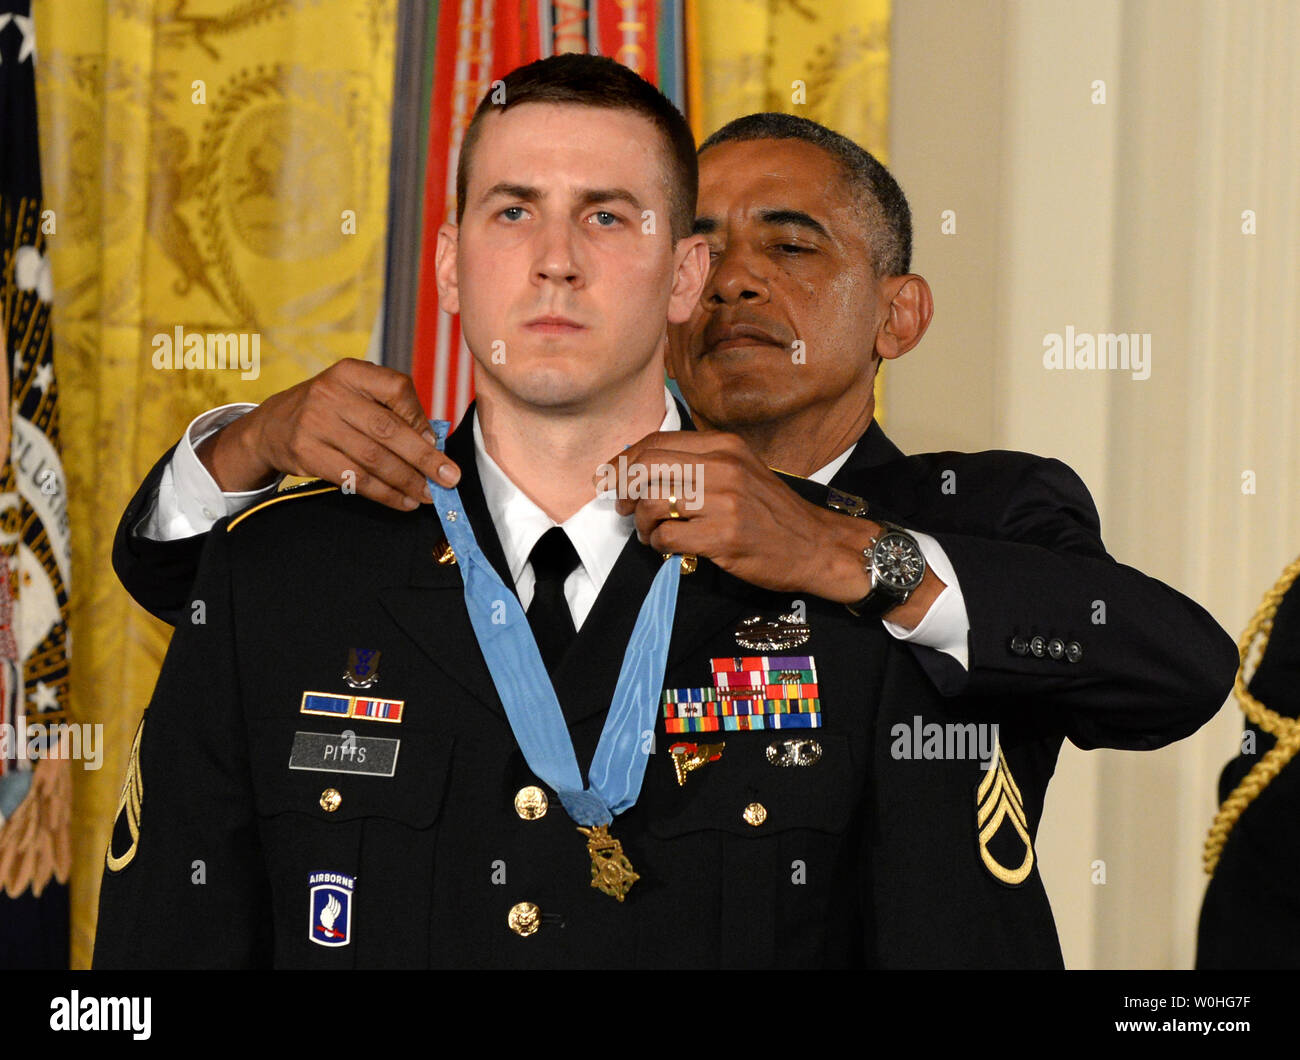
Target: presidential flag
{"type": "Point", "coordinates": [35, 774]}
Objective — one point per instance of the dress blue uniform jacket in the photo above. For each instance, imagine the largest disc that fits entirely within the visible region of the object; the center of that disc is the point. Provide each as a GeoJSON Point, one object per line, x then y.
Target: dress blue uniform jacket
{"type": "Point", "coordinates": [869, 856]}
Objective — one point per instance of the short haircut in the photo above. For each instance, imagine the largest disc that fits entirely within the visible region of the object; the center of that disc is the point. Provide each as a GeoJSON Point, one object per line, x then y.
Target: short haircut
{"type": "Point", "coordinates": [596, 81]}
{"type": "Point", "coordinates": [881, 199]}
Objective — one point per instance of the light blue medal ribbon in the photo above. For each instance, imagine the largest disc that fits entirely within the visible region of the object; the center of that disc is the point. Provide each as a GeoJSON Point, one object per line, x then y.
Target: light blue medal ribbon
{"type": "Point", "coordinates": [513, 660]}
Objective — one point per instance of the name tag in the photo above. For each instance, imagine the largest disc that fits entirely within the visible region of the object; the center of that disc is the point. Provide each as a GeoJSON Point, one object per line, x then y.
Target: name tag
{"type": "Point", "coordinates": [330, 752]}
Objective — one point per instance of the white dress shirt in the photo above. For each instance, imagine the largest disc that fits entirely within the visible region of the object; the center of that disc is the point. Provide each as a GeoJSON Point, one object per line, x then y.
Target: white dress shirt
{"type": "Point", "coordinates": [189, 502]}
{"type": "Point", "coordinates": [597, 531]}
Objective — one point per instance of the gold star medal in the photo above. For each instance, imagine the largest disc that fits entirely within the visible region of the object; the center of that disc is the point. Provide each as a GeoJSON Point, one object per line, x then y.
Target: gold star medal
{"type": "Point", "coordinates": [611, 872]}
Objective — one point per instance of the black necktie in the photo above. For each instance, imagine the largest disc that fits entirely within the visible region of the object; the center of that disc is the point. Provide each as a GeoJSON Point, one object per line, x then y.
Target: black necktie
{"type": "Point", "coordinates": [553, 559]}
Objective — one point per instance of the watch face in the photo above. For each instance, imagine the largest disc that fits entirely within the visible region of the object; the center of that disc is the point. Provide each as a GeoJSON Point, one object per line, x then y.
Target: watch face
{"type": "Point", "coordinates": [898, 562]}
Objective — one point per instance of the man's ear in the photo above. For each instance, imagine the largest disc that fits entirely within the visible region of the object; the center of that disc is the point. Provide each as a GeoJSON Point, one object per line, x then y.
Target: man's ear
{"type": "Point", "coordinates": [690, 272]}
{"type": "Point", "coordinates": [911, 305]}
{"type": "Point", "coordinates": [444, 268]}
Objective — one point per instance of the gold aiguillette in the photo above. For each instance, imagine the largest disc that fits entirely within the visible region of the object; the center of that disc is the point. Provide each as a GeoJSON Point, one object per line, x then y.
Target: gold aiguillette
{"type": "Point", "coordinates": [611, 872]}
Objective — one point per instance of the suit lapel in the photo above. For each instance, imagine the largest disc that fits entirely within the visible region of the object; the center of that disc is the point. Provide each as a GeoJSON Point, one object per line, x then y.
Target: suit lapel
{"type": "Point", "coordinates": [460, 447]}
{"type": "Point", "coordinates": [707, 601]}
{"type": "Point", "coordinates": [879, 473]}
{"type": "Point", "coordinates": [429, 605]}
{"type": "Point", "coordinates": [873, 449]}
{"type": "Point", "coordinates": [876, 471]}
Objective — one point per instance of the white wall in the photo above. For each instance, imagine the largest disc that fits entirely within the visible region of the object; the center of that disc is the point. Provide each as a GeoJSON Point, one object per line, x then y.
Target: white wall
{"type": "Point", "coordinates": [1117, 217]}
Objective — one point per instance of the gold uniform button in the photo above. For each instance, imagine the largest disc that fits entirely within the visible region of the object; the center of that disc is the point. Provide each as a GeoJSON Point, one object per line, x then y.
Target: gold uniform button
{"type": "Point", "coordinates": [524, 919]}
{"type": "Point", "coordinates": [530, 803]}
{"type": "Point", "coordinates": [330, 800]}
{"type": "Point", "coordinates": [755, 814]}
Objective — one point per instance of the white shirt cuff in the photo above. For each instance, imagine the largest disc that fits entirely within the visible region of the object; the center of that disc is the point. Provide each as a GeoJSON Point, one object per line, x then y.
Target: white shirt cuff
{"type": "Point", "coordinates": [946, 626]}
{"type": "Point", "coordinates": [189, 501]}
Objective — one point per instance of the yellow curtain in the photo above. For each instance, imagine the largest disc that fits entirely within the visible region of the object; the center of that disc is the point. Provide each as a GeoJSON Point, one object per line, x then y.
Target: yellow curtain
{"type": "Point", "coordinates": [825, 61]}
{"type": "Point", "coordinates": [219, 167]}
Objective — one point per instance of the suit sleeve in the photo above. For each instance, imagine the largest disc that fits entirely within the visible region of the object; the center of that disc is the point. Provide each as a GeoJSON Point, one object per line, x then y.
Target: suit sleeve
{"type": "Point", "coordinates": [1151, 665]}
{"type": "Point", "coordinates": [158, 574]}
{"type": "Point", "coordinates": [184, 883]}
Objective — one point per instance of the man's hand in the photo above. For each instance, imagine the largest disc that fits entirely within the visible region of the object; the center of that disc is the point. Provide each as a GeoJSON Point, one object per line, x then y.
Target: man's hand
{"type": "Point", "coordinates": [353, 417]}
{"type": "Point", "coordinates": [738, 513]}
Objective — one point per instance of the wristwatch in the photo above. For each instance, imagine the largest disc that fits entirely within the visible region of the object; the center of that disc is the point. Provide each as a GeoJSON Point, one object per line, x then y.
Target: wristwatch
{"type": "Point", "coordinates": [896, 566]}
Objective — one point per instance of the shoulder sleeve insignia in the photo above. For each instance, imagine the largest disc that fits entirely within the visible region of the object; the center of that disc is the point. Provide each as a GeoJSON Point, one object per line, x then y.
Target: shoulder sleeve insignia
{"type": "Point", "coordinates": [1001, 825]}
{"type": "Point", "coordinates": [306, 489]}
{"type": "Point", "coordinates": [126, 822]}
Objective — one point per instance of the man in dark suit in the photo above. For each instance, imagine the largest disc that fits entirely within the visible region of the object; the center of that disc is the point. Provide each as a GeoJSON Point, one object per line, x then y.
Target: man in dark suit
{"type": "Point", "coordinates": [877, 840]}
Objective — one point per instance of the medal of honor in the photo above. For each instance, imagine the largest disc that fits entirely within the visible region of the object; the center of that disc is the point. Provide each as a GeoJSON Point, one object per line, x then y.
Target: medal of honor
{"type": "Point", "coordinates": [533, 710]}
{"type": "Point", "coordinates": [611, 872]}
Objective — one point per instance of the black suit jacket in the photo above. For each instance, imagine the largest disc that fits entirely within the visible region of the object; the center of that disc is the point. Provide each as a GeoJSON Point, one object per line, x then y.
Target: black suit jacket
{"type": "Point", "coordinates": [878, 854]}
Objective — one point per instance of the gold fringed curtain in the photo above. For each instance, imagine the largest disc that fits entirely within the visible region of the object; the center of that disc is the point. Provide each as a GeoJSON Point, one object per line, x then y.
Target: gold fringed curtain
{"type": "Point", "coordinates": [216, 166]}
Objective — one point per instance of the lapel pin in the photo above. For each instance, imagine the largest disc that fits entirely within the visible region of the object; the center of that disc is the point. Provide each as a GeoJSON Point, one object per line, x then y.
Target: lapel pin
{"type": "Point", "coordinates": [847, 503]}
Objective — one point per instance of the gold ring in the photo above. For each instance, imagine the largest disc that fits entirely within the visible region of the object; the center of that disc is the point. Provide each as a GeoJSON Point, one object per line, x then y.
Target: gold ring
{"type": "Point", "coordinates": [673, 513]}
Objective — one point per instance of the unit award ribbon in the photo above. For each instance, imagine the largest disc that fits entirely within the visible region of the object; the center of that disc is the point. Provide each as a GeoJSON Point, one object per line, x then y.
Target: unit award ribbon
{"type": "Point", "coordinates": [526, 692]}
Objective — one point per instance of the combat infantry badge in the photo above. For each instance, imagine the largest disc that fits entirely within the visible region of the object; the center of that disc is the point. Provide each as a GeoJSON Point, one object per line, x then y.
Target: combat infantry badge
{"type": "Point", "coordinates": [363, 668]}
{"type": "Point", "coordinates": [772, 634]}
{"type": "Point", "coordinates": [611, 872]}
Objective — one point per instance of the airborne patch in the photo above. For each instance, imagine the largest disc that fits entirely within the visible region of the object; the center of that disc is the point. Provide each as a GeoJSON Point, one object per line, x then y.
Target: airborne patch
{"type": "Point", "coordinates": [330, 922]}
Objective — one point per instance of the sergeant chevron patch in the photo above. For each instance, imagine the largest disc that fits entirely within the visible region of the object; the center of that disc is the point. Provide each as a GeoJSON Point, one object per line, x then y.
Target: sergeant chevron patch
{"type": "Point", "coordinates": [1001, 825]}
